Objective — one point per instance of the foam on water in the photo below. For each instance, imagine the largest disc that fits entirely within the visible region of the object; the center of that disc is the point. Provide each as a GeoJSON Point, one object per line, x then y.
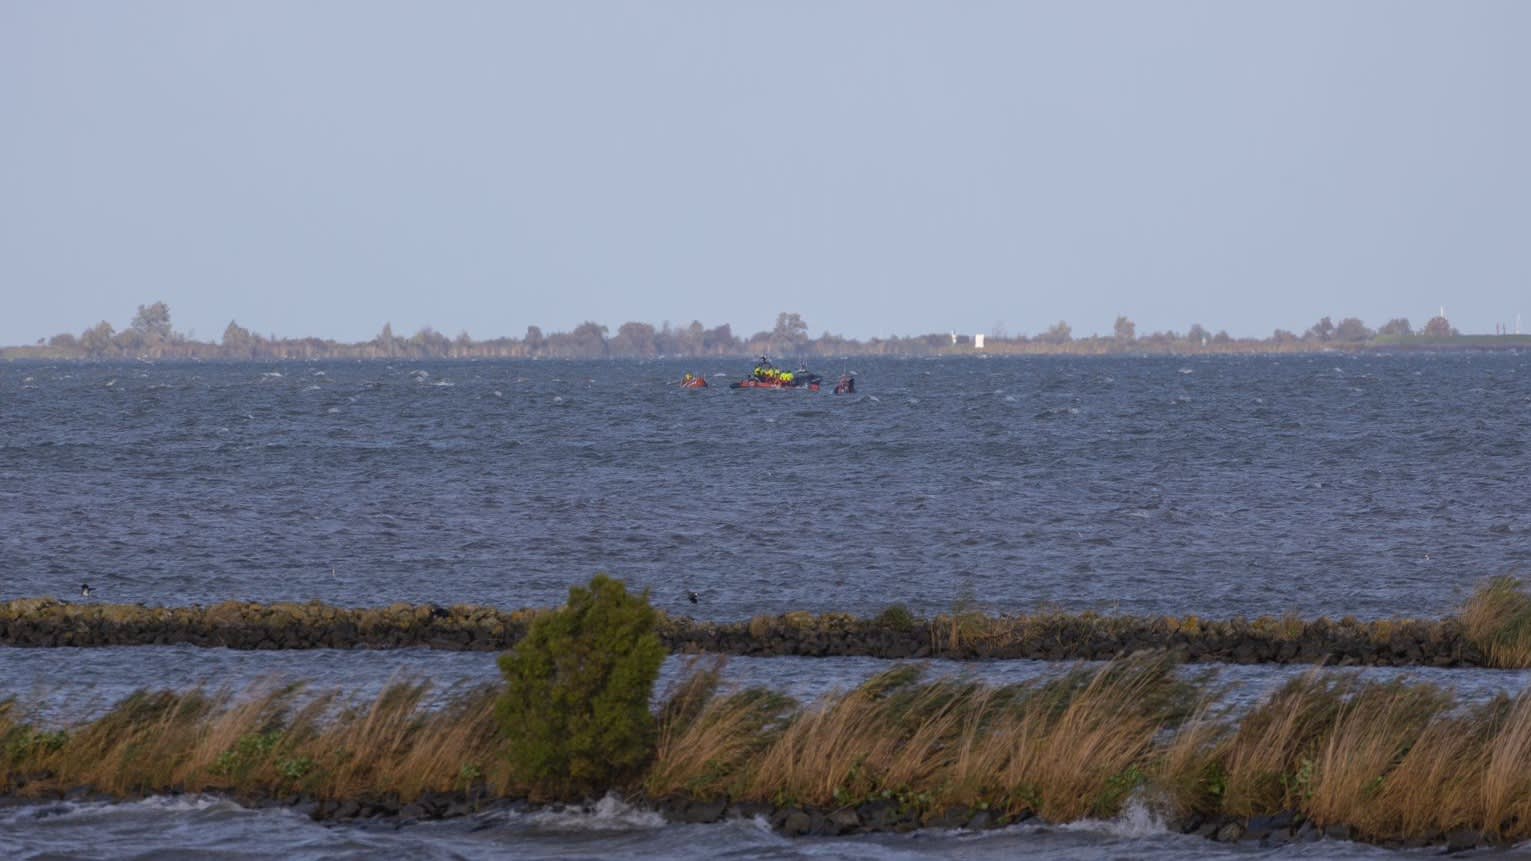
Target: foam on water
{"type": "Point", "coordinates": [609, 814]}
{"type": "Point", "coordinates": [1135, 821]}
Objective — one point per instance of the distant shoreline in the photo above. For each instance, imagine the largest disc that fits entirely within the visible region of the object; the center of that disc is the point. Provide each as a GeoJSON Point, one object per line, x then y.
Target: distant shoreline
{"type": "Point", "coordinates": [894, 348]}
{"type": "Point", "coordinates": [202, 352]}
{"type": "Point", "coordinates": [150, 337]}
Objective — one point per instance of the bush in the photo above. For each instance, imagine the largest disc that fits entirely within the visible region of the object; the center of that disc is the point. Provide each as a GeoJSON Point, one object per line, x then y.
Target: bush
{"type": "Point", "coordinates": [897, 617]}
{"type": "Point", "coordinates": [575, 709]}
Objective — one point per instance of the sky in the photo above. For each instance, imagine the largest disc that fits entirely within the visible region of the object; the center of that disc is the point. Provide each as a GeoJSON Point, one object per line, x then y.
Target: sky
{"type": "Point", "coordinates": [881, 168]}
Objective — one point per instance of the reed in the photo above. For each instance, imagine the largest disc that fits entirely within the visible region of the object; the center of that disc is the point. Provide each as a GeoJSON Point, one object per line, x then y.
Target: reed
{"type": "Point", "coordinates": [1371, 733]}
{"type": "Point", "coordinates": [1497, 619]}
{"type": "Point", "coordinates": [1437, 785]}
{"type": "Point", "coordinates": [265, 744]}
{"type": "Point", "coordinates": [714, 754]}
{"type": "Point", "coordinates": [1188, 775]}
{"type": "Point", "coordinates": [1506, 774]}
{"type": "Point", "coordinates": [1064, 748]}
{"type": "Point", "coordinates": [1394, 762]}
{"type": "Point", "coordinates": [1269, 762]}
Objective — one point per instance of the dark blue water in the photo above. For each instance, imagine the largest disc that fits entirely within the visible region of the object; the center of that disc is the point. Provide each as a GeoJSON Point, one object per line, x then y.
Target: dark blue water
{"type": "Point", "coordinates": [1376, 486]}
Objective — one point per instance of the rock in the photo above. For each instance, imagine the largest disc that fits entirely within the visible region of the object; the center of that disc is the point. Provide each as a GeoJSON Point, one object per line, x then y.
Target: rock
{"type": "Point", "coordinates": [671, 807]}
{"type": "Point", "coordinates": [951, 817]}
{"type": "Point", "coordinates": [1263, 826]}
{"type": "Point", "coordinates": [749, 810]}
{"type": "Point", "coordinates": [844, 820]}
{"type": "Point", "coordinates": [820, 825]}
{"type": "Point", "coordinates": [1230, 833]}
{"type": "Point", "coordinates": [879, 815]}
{"type": "Point", "coordinates": [703, 812]}
{"type": "Point", "coordinates": [1462, 840]}
{"type": "Point", "coordinates": [796, 823]}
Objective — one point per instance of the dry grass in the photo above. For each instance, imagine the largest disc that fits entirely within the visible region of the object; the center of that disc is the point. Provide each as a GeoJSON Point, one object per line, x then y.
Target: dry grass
{"type": "Point", "coordinates": [1268, 764]}
{"type": "Point", "coordinates": [1437, 785]}
{"type": "Point", "coordinates": [713, 754]}
{"type": "Point", "coordinates": [1395, 761]}
{"type": "Point", "coordinates": [1506, 775]}
{"type": "Point", "coordinates": [1187, 774]}
{"type": "Point", "coordinates": [1370, 735]}
{"type": "Point", "coordinates": [264, 744]}
{"type": "Point", "coordinates": [1497, 619]}
{"type": "Point", "coordinates": [1065, 748]}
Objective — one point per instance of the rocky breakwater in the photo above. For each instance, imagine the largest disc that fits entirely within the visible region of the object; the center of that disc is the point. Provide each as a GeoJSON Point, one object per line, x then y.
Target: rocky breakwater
{"type": "Point", "coordinates": [240, 625]}
{"type": "Point", "coordinates": [1087, 636]}
{"type": "Point", "coordinates": [893, 634]}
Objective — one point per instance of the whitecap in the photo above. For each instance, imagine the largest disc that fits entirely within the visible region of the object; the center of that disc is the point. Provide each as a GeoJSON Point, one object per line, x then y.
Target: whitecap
{"type": "Point", "coordinates": [609, 814]}
{"type": "Point", "coordinates": [1135, 821]}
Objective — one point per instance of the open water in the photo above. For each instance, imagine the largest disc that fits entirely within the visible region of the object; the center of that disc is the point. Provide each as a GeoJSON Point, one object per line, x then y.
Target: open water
{"type": "Point", "coordinates": [1377, 486]}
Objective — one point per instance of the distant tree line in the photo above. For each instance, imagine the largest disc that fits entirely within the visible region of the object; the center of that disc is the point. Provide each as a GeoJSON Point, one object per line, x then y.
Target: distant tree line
{"type": "Point", "coordinates": [151, 336]}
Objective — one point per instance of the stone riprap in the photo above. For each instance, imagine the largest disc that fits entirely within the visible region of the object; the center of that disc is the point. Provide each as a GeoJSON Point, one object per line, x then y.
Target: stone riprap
{"type": "Point", "coordinates": [44, 622]}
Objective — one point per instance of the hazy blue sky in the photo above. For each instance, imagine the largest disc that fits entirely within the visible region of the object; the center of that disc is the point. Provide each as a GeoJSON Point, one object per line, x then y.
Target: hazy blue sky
{"type": "Point", "coordinates": [319, 168]}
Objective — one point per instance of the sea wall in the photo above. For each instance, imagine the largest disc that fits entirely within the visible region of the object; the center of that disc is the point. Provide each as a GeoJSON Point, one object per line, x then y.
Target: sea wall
{"type": "Point", "coordinates": [48, 622]}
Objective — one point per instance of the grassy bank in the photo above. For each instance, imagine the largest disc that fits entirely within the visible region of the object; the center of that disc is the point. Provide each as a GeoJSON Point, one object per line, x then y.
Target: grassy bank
{"type": "Point", "coordinates": [1389, 762]}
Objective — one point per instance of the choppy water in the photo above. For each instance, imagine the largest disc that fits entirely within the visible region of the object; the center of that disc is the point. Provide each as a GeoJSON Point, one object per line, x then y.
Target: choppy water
{"type": "Point", "coordinates": [205, 828]}
{"type": "Point", "coordinates": [62, 686]}
{"type": "Point", "coordinates": [1376, 486]}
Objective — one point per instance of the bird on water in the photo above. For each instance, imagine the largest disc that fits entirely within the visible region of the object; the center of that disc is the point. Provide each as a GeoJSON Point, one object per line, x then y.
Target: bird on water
{"type": "Point", "coordinates": [693, 597]}
{"type": "Point", "coordinates": [84, 590]}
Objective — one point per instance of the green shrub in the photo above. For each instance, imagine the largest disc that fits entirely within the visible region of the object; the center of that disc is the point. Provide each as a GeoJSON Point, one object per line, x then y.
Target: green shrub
{"type": "Point", "coordinates": [896, 617]}
{"type": "Point", "coordinates": [575, 709]}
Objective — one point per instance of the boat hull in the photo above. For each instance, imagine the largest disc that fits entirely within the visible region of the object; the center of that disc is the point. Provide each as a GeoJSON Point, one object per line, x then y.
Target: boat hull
{"type": "Point", "coordinates": [752, 383]}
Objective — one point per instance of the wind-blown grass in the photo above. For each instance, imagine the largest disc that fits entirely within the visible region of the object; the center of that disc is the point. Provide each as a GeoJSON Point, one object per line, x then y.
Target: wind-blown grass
{"type": "Point", "coordinates": [1497, 619]}
{"type": "Point", "coordinates": [1392, 761]}
{"type": "Point", "coordinates": [263, 744]}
